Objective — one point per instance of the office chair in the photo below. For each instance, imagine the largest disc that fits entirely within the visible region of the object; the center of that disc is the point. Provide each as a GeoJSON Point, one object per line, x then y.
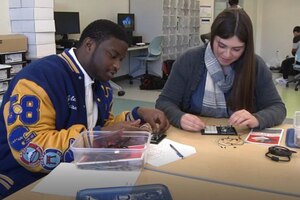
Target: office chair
{"type": "Point", "coordinates": [154, 53]}
{"type": "Point", "coordinates": [119, 89]}
{"type": "Point", "coordinates": [296, 66]}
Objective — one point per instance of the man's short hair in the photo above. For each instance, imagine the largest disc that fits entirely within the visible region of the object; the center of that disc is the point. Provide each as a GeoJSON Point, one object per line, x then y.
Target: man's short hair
{"type": "Point", "coordinates": [296, 29]}
{"type": "Point", "coordinates": [103, 29]}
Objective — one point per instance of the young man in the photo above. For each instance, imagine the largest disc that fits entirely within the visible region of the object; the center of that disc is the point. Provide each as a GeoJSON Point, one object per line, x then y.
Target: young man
{"type": "Point", "coordinates": [287, 64]}
{"type": "Point", "coordinates": [53, 99]}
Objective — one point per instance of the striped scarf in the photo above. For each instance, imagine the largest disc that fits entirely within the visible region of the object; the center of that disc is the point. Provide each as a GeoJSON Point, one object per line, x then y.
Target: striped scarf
{"type": "Point", "coordinates": [214, 103]}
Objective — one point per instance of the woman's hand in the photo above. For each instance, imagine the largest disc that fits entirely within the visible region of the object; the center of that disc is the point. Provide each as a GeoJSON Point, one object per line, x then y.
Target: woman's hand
{"type": "Point", "coordinates": [191, 122]}
{"type": "Point", "coordinates": [154, 117]}
{"type": "Point", "coordinates": [243, 118]}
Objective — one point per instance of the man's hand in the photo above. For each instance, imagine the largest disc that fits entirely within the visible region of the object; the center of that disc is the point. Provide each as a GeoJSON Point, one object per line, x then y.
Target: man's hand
{"type": "Point", "coordinates": [191, 122]}
{"type": "Point", "coordinates": [243, 118]}
{"type": "Point", "coordinates": [154, 117]}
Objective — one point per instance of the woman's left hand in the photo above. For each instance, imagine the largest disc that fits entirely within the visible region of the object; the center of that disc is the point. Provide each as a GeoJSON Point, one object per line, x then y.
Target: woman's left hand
{"type": "Point", "coordinates": [154, 117]}
{"type": "Point", "coordinates": [243, 118]}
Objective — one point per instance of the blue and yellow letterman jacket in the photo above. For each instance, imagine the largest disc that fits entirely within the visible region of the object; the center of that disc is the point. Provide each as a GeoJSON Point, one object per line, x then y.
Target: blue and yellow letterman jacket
{"type": "Point", "coordinates": [42, 113]}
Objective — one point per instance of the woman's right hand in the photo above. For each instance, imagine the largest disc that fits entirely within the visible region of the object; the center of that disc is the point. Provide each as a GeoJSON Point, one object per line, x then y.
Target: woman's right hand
{"type": "Point", "coordinates": [191, 122]}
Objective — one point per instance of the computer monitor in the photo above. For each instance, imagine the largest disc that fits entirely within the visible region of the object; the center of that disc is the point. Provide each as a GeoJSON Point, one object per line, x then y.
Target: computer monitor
{"type": "Point", "coordinates": [66, 23]}
{"type": "Point", "coordinates": [126, 20]}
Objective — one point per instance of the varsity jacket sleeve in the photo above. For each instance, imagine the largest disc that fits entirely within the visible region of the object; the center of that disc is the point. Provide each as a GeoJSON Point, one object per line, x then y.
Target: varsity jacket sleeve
{"type": "Point", "coordinates": [104, 100]}
{"type": "Point", "coordinates": [123, 116]}
{"type": "Point", "coordinates": [30, 122]}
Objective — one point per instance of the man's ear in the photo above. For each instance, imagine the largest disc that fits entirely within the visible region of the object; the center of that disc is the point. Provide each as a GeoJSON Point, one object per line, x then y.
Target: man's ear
{"type": "Point", "coordinates": [89, 44]}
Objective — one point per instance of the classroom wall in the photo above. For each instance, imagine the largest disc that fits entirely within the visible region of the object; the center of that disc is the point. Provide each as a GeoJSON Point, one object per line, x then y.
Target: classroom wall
{"type": "Point", "coordinates": [93, 9]}
{"type": "Point", "coordinates": [278, 19]}
{"type": "Point", "coordinates": [273, 20]}
{"type": "Point", "coordinates": [4, 18]}
{"type": "Point", "coordinates": [89, 11]}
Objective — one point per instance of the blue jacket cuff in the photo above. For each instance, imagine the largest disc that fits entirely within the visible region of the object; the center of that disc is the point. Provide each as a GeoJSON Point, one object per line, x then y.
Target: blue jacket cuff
{"type": "Point", "coordinates": [135, 115]}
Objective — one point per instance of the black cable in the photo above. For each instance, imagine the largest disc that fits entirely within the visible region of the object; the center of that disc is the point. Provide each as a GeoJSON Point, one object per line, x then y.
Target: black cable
{"type": "Point", "coordinates": [279, 153]}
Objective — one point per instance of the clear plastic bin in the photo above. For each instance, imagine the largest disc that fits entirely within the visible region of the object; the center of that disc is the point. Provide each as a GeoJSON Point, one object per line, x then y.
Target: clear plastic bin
{"type": "Point", "coordinates": [104, 150]}
{"type": "Point", "coordinates": [297, 128]}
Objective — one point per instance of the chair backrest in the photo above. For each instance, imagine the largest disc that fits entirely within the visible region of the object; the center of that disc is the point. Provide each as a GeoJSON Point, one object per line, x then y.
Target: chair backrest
{"type": "Point", "coordinates": [297, 60]}
{"type": "Point", "coordinates": [155, 46]}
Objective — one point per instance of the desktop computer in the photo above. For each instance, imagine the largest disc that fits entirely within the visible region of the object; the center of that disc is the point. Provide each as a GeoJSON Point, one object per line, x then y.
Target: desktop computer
{"type": "Point", "coordinates": [132, 40]}
{"type": "Point", "coordinates": [129, 37]}
{"type": "Point", "coordinates": [137, 39]}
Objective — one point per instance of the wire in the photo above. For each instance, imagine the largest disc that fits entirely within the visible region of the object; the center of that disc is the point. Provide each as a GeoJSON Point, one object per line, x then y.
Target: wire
{"type": "Point", "coordinates": [230, 141]}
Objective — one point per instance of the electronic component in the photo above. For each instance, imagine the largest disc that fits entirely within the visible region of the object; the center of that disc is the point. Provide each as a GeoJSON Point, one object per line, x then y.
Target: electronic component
{"type": "Point", "coordinates": [157, 137]}
{"type": "Point", "coordinates": [219, 130]}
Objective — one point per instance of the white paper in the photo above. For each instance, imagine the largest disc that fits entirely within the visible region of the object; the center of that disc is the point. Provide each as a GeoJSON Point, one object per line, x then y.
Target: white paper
{"type": "Point", "coordinates": [66, 179]}
{"type": "Point", "coordinates": [161, 154]}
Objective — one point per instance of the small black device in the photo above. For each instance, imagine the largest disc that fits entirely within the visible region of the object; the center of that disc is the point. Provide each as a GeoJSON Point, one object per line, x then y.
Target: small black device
{"type": "Point", "coordinates": [219, 130]}
{"type": "Point", "coordinates": [279, 153]}
{"type": "Point", "coordinates": [126, 21]}
{"type": "Point", "coordinates": [137, 39]}
{"type": "Point", "coordinates": [157, 137]}
{"type": "Point", "coordinates": [129, 35]}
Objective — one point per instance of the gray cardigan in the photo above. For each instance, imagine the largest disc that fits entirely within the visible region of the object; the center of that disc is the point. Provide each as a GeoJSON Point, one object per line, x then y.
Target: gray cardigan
{"type": "Point", "coordinates": [189, 69]}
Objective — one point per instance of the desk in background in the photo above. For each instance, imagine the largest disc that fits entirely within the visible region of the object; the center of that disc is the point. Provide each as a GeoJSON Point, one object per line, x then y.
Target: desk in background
{"type": "Point", "coordinates": [129, 62]}
{"type": "Point", "coordinates": [61, 45]}
{"type": "Point", "coordinates": [136, 47]}
{"type": "Point", "coordinates": [125, 69]}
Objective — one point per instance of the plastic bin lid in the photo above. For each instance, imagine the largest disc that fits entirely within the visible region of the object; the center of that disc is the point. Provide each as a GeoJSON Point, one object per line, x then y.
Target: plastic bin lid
{"type": "Point", "coordinates": [290, 138]}
{"type": "Point", "coordinates": [149, 192]}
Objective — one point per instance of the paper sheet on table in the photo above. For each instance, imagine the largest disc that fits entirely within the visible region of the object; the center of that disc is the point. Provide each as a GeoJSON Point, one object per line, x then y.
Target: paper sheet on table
{"type": "Point", "coordinates": [66, 179]}
{"type": "Point", "coordinates": [162, 153]}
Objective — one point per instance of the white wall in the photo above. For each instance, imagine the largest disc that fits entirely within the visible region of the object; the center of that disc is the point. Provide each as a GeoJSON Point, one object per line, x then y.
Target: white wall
{"type": "Point", "coordinates": [278, 19]}
{"type": "Point", "coordinates": [89, 11]}
{"type": "Point", "coordinates": [252, 10]}
{"type": "Point", "coordinates": [92, 9]}
{"type": "Point", "coordinates": [273, 20]}
{"type": "Point", "coordinates": [4, 19]}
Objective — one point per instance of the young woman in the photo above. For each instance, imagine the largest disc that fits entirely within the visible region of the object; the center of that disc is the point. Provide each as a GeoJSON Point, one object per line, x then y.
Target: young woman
{"type": "Point", "coordinates": [222, 79]}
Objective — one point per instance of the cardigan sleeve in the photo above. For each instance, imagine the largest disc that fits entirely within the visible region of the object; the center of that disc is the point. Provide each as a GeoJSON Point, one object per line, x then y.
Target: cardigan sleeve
{"type": "Point", "coordinates": [270, 110]}
{"type": "Point", "coordinates": [174, 99]}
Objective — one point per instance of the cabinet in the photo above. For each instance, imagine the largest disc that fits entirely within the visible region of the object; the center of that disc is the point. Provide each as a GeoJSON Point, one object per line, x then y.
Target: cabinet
{"type": "Point", "coordinates": [4, 79]}
{"type": "Point", "coordinates": [177, 20]}
{"type": "Point", "coordinates": [10, 64]}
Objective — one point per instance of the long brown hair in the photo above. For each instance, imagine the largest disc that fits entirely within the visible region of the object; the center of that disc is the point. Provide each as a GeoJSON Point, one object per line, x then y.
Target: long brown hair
{"type": "Point", "coordinates": [235, 22]}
